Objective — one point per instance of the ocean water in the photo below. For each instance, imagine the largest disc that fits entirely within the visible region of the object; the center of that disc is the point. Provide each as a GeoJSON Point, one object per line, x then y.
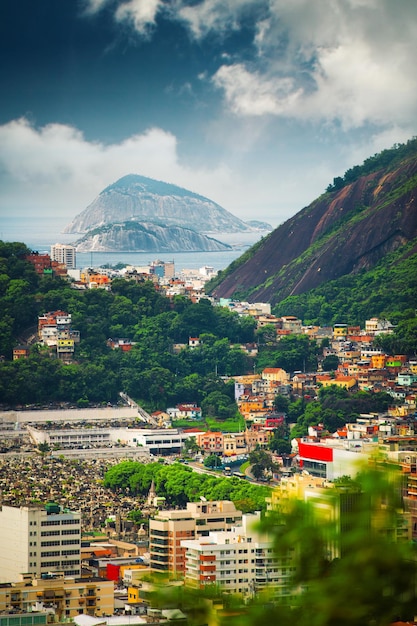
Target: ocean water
{"type": "Point", "coordinates": [240, 242]}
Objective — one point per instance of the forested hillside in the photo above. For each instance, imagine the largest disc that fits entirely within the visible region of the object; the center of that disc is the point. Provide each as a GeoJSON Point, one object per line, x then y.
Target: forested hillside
{"type": "Point", "coordinates": [151, 372]}
{"type": "Point", "coordinates": [352, 252]}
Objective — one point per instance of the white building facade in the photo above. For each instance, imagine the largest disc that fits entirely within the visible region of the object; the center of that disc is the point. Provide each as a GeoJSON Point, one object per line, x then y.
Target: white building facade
{"type": "Point", "coordinates": [64, 253]}
{"type": "Point", "coordinates": [240, 561]}
{"type": "Point", "coordinates": [38, 540]}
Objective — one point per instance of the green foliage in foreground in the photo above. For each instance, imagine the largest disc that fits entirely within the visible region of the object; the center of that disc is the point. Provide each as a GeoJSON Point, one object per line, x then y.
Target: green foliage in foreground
{"type": "Point", "coordinates": [348, 573]}
{"type": "Point", "coordinates": [179, 485]}
{"type": "Point", "coordinates": [344, 570]}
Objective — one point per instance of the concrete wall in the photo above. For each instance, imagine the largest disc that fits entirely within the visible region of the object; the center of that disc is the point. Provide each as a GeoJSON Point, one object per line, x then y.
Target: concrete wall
{"type": "Point", "coordinates": [69, 415]}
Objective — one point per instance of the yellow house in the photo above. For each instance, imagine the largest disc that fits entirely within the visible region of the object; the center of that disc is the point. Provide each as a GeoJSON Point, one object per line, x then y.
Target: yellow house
{"type": "Point", "coordinates": [378, 361]}
{"type": "Point", "coordinates": [275, 374]}
{"type": "Point", "coordinates": [251, 404]}
{"type": "Point", "coordinates": [347, 382]}
{"type": "Point", "coordinates": [340, 331]}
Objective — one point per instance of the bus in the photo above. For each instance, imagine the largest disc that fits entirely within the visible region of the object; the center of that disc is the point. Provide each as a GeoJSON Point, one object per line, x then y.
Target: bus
{"type": "Point", "coordinates": [239, 475]}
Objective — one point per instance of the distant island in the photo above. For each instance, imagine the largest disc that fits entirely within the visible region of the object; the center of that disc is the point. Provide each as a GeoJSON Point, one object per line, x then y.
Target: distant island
{"type": "Point", "coordinates": [142, 214]}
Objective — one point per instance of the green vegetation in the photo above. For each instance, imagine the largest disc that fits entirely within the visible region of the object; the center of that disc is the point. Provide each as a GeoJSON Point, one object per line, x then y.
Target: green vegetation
{"type": "Point", "coordinates": [335, 407]}
{"type": "Point", "coordinates": [262, 464]}
{"type": "Point", "coordinates": [212, 461]}
{"type": "Point", "coordinates": [150, 373]}
{"type": "Point", "coordinates": [388, 290]}
{"type": "Point", "coordinates": [156, 376]}
{"type": "Point", "coordinates": [347, 573]}
{"type": "Point", "coordinates": [291, 352]}
{"type": "Point", "coordinates": [346, 569]}
{"type": "Point", "coordinates": [179, 484]}
{"type": "Point", "coordinates": [386, 159]}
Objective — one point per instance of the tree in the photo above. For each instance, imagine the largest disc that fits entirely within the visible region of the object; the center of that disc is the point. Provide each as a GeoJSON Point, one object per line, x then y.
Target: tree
{"type": "Point", "coordinates": [191, 446]}
{"type": "Point", "coordinates": [44, 447]}
{"type": "Point", "coordinates": [330, 363]}
{"type": "Point", "coordinates": [280, 440]}
{"type": "Point", "coordinates": [261, 463]}
{"type": "Point", "coordinates": [218, 404]}
{"type": "Point", "coordinates": [212, 461]}
{"type": "Point", "coordinates": [281, 403]}
{"type": "Point", "coordinates": [266, 334]}
{"type": "Point", "coordinates": [330, 558]}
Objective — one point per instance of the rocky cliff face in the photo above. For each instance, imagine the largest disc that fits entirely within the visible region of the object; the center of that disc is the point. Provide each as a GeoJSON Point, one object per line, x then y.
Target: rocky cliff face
{"type": "Point", "coordinates": [141, 199]}
{"type": "Point", "coordinates": [340, 233]}
{"type": "Point", "coordinates": [144, 237]}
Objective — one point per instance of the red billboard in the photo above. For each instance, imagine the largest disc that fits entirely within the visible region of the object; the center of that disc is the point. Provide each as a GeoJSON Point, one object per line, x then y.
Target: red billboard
{"type": "Point", "coordinates": [313, 452]}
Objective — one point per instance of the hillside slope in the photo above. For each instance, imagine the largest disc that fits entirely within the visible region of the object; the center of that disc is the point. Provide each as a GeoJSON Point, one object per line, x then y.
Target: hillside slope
{"type": "Point", "coordinates": [348, 229]}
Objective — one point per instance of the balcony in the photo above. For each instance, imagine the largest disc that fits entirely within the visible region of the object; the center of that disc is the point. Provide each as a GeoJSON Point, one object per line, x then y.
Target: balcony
{"type": "Point", "coordinates": [159, 542]}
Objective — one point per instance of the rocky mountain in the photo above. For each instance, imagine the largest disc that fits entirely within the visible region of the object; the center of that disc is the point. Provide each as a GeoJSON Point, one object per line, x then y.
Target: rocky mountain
{"type": "Point", "coordinates": [141, 236]}
{"type": "Point", "coordinates": [363, 217]}
{"type": "Point", "coordinates": [140, 199]}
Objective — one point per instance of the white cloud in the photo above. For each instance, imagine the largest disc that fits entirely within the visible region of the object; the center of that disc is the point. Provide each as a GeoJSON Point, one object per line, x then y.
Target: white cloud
{"type": "Point", "coordinates": [92, 6]}
{"type": "Point", "coordinates": [347, 61]}
{"type": "Point", "coordinates": [356, 87]}
{"type": "Point", "coordinates": [54, 170]}
{"type": "Point", "coordinates": [252, 94]}
{"type": "Point", "coordinates": [212, 15]}
{"type": "Point", "coordinates": [141, 13]}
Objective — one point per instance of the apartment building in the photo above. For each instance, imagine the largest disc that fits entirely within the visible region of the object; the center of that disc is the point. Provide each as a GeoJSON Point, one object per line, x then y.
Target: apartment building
{"type": "Point", "coordinates": [65, 254]}
{"type": "Point", "coordinates": [168, 528]}
{"type": "Point", "coordinates": [38, 540]}
{"type": "Point", "coordinates": [211, 441]}
{"type": "Point", "coordinates": [64, 598]}
{"type": "Point", "coordinates": [239, 561]}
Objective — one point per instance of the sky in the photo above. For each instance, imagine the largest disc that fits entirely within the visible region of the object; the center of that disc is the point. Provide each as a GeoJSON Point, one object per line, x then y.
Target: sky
{"type": "Point", "coordinates": [256, 104]}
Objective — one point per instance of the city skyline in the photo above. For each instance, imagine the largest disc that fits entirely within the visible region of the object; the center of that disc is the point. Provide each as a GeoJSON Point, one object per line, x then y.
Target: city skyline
{"type": "Point", "coordinates": [254, 104]}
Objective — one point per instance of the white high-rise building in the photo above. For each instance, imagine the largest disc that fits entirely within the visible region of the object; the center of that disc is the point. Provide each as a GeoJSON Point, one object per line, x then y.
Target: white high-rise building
{"type": "Point", "coordinates": [39, 539]}
{"type": "Point", "coordinates": [240, 561]}
{"type": "Point", "coordinates": [64, 253]}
